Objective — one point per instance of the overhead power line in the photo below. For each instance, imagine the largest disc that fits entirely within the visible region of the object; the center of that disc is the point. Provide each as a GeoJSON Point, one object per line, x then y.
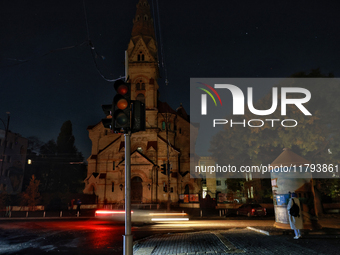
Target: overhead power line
{"type": "Point", "coordinates": [92, 48]}
{"type": "Point", "coordinates": [87, 42]}
{"type": "Point", "coordinates": [23, 61]}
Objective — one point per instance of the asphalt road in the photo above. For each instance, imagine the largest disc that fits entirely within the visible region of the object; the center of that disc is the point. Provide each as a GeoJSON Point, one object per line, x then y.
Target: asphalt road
{"type": "Point", "coordinates": [98, 236]}
{"type": "Point", "coordinates": [91, 236]}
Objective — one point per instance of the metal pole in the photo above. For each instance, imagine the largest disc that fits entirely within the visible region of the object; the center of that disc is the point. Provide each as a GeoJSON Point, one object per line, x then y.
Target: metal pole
{"type": "Point", "coordinates": [167, 162]}
{"type": "Point", "coordinates": [126, 65]}
{"type": "Point", "coordinates": [128, 248]}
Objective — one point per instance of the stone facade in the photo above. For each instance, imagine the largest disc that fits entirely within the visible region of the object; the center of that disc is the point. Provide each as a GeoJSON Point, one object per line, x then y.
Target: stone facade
{"type": "Point", "coordinates": [149, 148]}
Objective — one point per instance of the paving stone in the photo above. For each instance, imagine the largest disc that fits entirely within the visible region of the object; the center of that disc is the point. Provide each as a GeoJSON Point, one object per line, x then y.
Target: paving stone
{"type": "Point", "coordinates": [237, 241]}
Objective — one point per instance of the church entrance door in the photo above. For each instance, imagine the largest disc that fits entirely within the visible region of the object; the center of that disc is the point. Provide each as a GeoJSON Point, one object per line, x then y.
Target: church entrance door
{"type": "Point", "coordinates": [136, 190]}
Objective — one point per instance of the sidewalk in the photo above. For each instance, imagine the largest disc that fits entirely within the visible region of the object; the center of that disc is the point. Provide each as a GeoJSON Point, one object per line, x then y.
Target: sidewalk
{"type": "Point", "coordinates": [250, 240]}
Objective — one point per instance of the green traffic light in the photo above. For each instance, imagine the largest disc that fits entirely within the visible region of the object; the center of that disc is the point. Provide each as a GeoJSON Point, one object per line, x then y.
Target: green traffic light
{"type": "Point", "coordinates": [121, 118]}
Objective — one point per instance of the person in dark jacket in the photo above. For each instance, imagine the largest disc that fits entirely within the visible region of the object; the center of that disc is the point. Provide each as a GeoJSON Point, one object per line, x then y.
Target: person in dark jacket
{"type": "Point", "coordinates": [296, 223]}
{"type": "Point", "coordinates": [78, 206]}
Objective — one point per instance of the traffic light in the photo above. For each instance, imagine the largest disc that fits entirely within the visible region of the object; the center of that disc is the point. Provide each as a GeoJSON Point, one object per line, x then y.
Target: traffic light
{"type": "Point", "coordinates": [108, 122]}
{"type": "Point", "coordinates": [163, 167]}
{"type": "Point", "coordinates": [121, 107]}
{"type": "Point", "coordinates": [138, 116]}
{"type": "Point", "coordinates": [165, 187]}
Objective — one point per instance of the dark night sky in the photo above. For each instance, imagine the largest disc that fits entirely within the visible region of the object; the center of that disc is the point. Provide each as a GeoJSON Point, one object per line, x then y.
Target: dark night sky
{"type": "Point", "coordinates": [42, 87]}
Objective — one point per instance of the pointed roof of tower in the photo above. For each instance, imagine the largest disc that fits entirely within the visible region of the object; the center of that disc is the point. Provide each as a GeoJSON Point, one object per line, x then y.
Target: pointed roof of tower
{"type": "Point", "coordinates": [288, 158]}
{"type": "Point", "coordinates": [143, 22]}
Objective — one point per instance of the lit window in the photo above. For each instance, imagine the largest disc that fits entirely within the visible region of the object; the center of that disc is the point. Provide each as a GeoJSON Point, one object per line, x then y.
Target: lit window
{"type": "Point", "coordinates": [29, 162]}
{"type": "Point", "coordinates": [204, 193]}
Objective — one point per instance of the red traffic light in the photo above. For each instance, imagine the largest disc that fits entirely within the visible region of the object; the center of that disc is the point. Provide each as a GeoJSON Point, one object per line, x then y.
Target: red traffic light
{"type": "Point", "coordinates": [122, 89]}
{"type": "Point", "coordinates": [121, 106]}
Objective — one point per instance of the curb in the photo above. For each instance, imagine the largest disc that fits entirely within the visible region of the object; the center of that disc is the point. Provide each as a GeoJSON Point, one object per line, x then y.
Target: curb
{"type": "Point", "coordinates": [332, 233]}
{"type": "Point", "coordinates": [259, 231]}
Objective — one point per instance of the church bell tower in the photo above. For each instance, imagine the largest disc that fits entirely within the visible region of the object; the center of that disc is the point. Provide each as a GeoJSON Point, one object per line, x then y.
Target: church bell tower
{"type": "Point", "coordinates": [143, 69]}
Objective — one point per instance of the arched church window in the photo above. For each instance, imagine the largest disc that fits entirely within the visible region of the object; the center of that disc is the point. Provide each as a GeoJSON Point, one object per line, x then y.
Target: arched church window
{"type": "Point", "coordinates": [140, 56]}
{"type": "Point", "coordinates": [145, 16]}
{"type": "Point", "coordinates": [143, 86]}
{"type": "Point", "coordinates": [141, 97]}
{"type": "Point", "coordinates": [138, 18]}
{"type": "Point", "coordinates": [138, 86]}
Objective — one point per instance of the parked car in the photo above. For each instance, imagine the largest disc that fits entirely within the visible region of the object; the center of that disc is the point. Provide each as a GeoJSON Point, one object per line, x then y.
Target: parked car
{"type": "Point", "coordinates": [251, 210]}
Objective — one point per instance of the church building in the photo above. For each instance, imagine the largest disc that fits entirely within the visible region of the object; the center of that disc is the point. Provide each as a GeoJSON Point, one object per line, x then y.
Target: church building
{"type": "Point", "coordinates": [167, 134]}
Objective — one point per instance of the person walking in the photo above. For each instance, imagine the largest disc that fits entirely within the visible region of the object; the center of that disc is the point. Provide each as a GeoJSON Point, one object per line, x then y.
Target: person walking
{"type": "Point", "coordinates": [78, 207]}
{"type": "Point", "coordinates": [295, 215]}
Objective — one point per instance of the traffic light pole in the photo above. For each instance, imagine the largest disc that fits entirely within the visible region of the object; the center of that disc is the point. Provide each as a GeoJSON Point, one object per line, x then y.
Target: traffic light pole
{"type": "Point", "coordinates": [167, 162]}
{"type": "Point", "coordinates": [128, 240]}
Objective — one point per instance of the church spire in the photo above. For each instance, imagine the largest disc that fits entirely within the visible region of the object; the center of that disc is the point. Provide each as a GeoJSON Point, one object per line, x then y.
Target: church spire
{"type": "Point", "coordinates": [143, 69]}
{"type": "Point", "coordinates": [143, 22]}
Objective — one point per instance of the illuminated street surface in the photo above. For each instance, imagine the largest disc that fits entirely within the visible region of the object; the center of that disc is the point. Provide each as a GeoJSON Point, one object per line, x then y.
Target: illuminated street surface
{"type": "Point", "coordinates": [97, 236]}
{"type": "Point", "coordinates": [91, 236]}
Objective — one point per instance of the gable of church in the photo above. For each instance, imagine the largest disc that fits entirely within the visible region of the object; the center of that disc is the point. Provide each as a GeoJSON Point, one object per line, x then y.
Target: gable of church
{"type": "Point", "coordinates": [137, 158]}
{"type": "Point", "coordinates": [141, 52]}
